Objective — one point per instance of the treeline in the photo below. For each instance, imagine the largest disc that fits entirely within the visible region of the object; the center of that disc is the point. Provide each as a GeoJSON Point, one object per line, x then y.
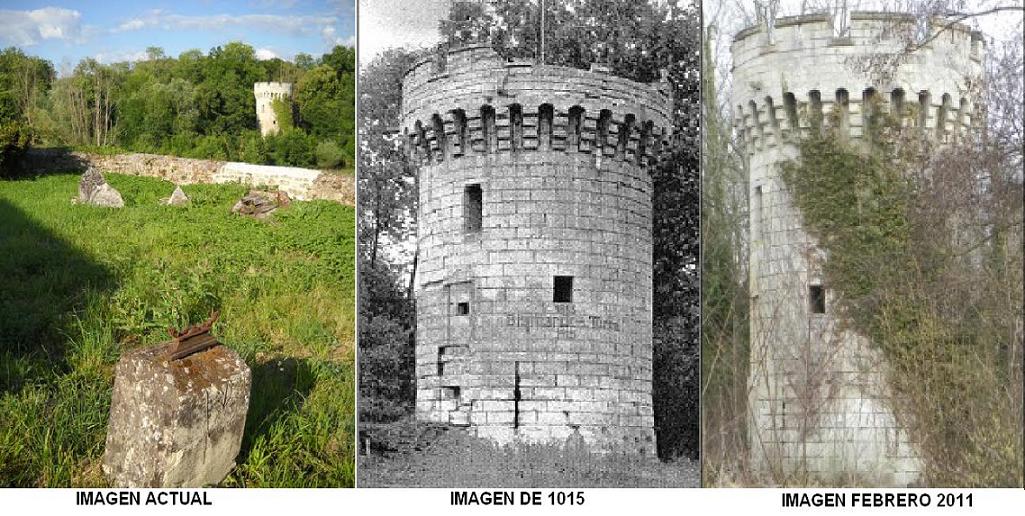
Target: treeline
{"type": "Point", "coordinates": [196, 105]}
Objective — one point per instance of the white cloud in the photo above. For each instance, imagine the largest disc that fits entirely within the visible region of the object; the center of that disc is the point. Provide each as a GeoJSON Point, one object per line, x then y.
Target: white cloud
{"type": "Point", "coordinates": [30, 27]}
{"type": "Point", "coordinates": [264, 54]}
{"type": "Point", "coordinates": [131, 25]}
{"type": "Point", "coordinates": [121, 57]}
{"type": "Point", "coordinates": [331, 38]}
{"type": "Point", "coordinates": [293, 25]}
{"type": "Point", "coordinates": [277, 4]}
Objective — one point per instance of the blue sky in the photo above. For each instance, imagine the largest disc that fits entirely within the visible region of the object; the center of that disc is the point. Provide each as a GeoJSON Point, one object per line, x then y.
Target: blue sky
{"type": "Point", "coordinates": [120, 30]}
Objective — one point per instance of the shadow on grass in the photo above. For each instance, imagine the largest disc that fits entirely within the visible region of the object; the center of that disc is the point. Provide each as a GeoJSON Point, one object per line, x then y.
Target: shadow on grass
{"type": "Point", "coordinates": [44, 283]}
{"type": "Point", "coordinates": [280, 387]}
{"type": "Point", "coordinates": [51, 160]}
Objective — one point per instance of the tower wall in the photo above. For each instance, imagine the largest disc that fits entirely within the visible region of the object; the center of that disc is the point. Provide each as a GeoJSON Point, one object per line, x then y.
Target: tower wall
{"type": "Point", "coordinates": [266, 93]}
{"type": "Point", "coordinates": [819, 398]}
{"type": "Point", "coordinates": [559, 157]}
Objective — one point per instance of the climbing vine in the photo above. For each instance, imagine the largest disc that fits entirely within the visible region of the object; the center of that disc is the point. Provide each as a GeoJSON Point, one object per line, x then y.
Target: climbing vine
{"type": "Point", "coordinates": [895, 263]}
{"type": "Point", "coordinates": [283, 114]}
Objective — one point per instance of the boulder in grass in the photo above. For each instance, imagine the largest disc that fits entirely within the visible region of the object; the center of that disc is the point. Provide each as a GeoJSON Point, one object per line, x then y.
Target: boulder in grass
{"type": "Point", "coordinates": [177, 198]}
{"type": "Point", "coordinates": [176, 423]}
{"type": "Point", "coordinates": [94, 189]}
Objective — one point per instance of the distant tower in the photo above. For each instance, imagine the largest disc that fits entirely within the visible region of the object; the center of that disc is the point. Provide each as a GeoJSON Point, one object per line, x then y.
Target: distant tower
{"type": "Point", "coordinates": [820, 401]}
{"type": "Point", "coordinates": [534, 299]}
{"type": "Point", "coordinates": [266, 93]}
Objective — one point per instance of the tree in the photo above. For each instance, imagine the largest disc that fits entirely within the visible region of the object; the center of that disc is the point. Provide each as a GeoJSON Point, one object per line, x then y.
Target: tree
{"type": "Point", "coordinates": [387, 189]}
{"type": "Point", "coordinates": [341, 59]}
{"type": "Point", "coordinates": [225, 96]}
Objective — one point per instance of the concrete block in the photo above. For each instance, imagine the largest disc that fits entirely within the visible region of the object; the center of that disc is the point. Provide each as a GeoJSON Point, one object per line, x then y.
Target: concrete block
{"type": "Point", "coordinates": [176, 424]}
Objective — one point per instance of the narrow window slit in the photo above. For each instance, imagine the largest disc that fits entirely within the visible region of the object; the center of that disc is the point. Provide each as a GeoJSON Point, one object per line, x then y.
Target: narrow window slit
{"type": "Point", "coordinates": [817, 299]}
{"type": "Point", "coordinates": [473, 208]}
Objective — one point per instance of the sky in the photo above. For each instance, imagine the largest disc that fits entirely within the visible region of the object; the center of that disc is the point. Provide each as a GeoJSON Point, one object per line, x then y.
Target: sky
{"type": "Point", "coordinates": [384, 24]}
{"type": "Point", "coordinates": [66, 32]}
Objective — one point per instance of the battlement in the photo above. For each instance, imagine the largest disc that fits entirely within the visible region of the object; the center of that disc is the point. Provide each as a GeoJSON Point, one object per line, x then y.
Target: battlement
{"type": "Point", "coordinates": [771, 121]}
{"type": "Point", "coordinates": [272, 90]}
{"type": "Point", "coordinates": [470, 101]}
{"type": "Point", "coordinates": [872, 31]}
{"type": "Point", "coordinates": [787, 83]}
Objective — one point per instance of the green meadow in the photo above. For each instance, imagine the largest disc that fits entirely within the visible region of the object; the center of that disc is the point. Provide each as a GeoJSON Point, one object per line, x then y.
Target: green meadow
{"type": "Point", "coordinates": [80, 285]}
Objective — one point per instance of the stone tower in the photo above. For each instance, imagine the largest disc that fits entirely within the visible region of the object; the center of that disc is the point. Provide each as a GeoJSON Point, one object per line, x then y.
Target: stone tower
{"type": "Point", "coordinates": [819, 396]}
{"type": "Point", "coordinates": [266, 93]}
{"type": "Point", "coordinates": [535, 265]}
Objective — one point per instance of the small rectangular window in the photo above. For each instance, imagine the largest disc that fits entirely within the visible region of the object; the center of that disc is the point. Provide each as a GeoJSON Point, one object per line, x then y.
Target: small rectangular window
{"type": "Point", "coordinates": [473, 208]}
{"type": "Point", "coordinates": [450, 393]}
{"type": "Point", "coordinates": [463, 308]}
{"type": "Point", "coordinates": [817, 299]}
{"type": "Point", "coordinates": [563, 289]}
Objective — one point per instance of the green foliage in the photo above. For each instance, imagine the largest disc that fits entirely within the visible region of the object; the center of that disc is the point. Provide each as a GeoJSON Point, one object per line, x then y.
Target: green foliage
{"type": "Point", "coordinates": [195, 105]}
{"type": "Point", "coordinates": [82, 285]}
{"type": "Point", "coordinates": [292, 147]}
{"type": "Point", "coordinates": [14, 141]}
{"type": "Point", "coordinates": [253, 149]}
{"type": "Point", "coordinates": [325, 96]}
{"type": "Point", "coordinates": [899, 278]}
{"type": "Point", "coordinates": [283, 114]}
{"type": "Point", "coordinates": [329, 155]}
{"type": "Point", "coordinates": [23, 81]}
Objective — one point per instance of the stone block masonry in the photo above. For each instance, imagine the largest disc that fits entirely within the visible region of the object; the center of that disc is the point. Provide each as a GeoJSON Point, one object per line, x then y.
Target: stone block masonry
{"type": "Point", "coordinates": [819, 401]}
{"type": "Point", "coordinates": [534, 290]}
{"type": "Point", "coordinates": [176, 423]}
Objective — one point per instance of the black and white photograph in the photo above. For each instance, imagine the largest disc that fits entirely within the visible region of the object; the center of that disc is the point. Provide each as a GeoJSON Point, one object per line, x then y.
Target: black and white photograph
{"type": "Point", "coordinates": [528, 244]}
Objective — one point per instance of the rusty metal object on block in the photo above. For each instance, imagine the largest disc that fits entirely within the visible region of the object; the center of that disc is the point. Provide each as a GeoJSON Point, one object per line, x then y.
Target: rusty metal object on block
{"type": "Point", "coordinates": [193, 339]}
{"type": "Point", "coordinates": [178, 412]}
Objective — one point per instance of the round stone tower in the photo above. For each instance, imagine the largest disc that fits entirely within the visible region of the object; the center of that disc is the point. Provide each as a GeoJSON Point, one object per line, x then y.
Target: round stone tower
{"type": "Point", "coordinates": [819, 396]}
{"type": "Point", "coordinates": [266, 93]}
{"type": "Point", "coordinates": [535, 251]}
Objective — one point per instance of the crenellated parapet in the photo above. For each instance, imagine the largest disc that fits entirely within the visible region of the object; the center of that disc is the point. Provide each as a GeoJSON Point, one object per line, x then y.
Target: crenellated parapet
{"type": "Point", "coordinates": [771, 121]}
{"type": "Point", "coordinates": [799, 74]}
{"type": "Point", "coordinates": [272, 90]}
{"type": "Point", "coordinates": [470, 101]}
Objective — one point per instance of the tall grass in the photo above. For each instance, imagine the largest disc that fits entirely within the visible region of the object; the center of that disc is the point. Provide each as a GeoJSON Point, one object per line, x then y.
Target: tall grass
{"type": "Point", "coordinates": [80, 285]}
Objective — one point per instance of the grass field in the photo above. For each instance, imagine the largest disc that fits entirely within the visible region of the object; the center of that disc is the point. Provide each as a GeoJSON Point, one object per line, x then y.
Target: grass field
{"type": "Point", "coordinates": [79, 285]}
{"type": "Point", "coordinates": [407, 453]}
